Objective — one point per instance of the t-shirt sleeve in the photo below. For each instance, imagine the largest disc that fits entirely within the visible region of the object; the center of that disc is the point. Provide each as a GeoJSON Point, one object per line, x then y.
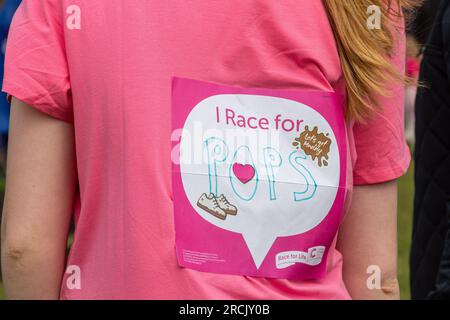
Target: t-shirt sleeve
{"type": "Point", "coordinates": [36, 70]}
{"type": "Point", "coordinates": [382, 153]}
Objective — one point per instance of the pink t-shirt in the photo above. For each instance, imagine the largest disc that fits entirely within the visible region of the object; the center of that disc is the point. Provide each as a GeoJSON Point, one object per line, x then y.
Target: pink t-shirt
{"type": "Point", "coordinates": [108, 68]}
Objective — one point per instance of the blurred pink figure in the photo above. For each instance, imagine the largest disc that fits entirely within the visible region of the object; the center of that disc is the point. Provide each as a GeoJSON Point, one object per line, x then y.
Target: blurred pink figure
{"type": "Point", "coordinates": [412, 71]}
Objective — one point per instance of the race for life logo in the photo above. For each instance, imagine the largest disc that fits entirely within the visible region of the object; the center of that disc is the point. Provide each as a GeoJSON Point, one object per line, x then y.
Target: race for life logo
{"type": "Point", "coordinates": [261, 166]}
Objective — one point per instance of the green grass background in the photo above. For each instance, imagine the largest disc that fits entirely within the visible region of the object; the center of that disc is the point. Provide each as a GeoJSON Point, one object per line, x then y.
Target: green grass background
{"type": "Point", "coordinates": [406, 192]}
{"type": "Point", "coordinates": [405, 217]}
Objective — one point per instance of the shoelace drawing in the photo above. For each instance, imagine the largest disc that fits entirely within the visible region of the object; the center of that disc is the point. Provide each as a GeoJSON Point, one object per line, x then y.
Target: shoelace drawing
{"type": "Point", "coordinates": [216, 203]}
{"type": "Point", "coordinates": [224, 200]}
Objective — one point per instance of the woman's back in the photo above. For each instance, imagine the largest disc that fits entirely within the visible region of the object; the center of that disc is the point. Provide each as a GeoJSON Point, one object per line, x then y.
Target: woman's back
{"type": "Point", "coordinates": [107, 66]}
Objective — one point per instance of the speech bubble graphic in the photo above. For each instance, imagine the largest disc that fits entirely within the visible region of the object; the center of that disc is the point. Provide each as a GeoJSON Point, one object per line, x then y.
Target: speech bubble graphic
{"type": "Point", "coordinates": [249, 166]}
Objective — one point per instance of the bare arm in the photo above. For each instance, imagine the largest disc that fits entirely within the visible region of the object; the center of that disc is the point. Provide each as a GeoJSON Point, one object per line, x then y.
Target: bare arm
{"type": "Point", "coordinates": [368, 237]}
{"type": "Point", "coordinates": [40, 185]}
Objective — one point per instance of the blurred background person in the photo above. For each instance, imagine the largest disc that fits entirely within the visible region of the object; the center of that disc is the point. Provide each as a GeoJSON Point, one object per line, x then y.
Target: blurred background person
{"type": "Point", "coordinates": [430, 252]}
{"type": "Point", "coordinates": [418, 31]}
{"type": "Point", "coordinates": [422, 23]}
{"type": "Point", "coordinates": [412, 71]}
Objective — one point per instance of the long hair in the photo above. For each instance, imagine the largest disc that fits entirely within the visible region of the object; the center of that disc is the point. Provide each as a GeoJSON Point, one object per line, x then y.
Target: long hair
{"type": "Point", "coordinates": [365, 52]}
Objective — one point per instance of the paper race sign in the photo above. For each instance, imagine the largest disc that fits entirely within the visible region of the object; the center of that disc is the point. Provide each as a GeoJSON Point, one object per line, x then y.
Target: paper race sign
{"type": "Point", "coordinates": [258, 178]}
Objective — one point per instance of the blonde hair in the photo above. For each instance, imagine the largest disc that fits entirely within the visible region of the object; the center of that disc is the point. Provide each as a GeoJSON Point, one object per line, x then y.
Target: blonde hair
{"type": "Point", "coordinates": [365, 53]}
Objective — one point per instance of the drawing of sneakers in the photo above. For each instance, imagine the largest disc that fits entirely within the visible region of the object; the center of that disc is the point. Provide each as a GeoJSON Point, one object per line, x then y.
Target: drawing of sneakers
{"type": "Point", "coordinates": [211, 205]}
{"type": "Point", "coordinates": [226, 206]}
